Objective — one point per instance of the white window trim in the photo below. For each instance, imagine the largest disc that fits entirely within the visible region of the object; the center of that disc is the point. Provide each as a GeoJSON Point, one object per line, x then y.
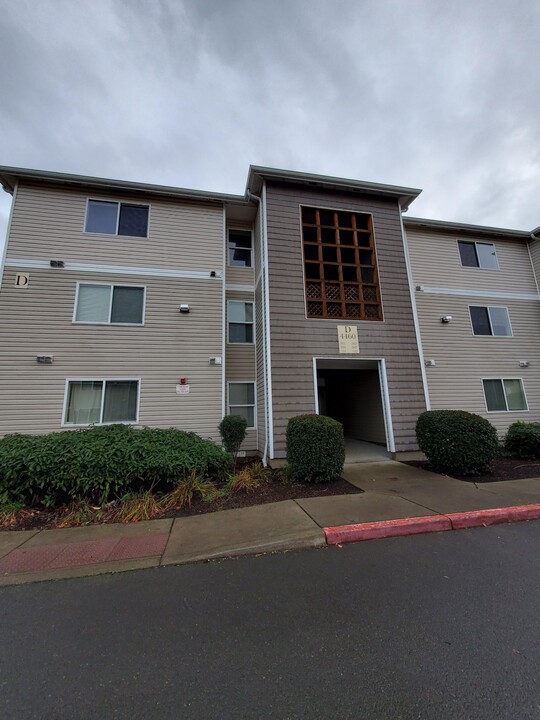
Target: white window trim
{"type": "Point", "coordinates": [118, 203]}
{"type": "Point", "coordinates": [488, 307]}
{"type": "Point", "coordinates": [477, 242]}
{"type": "Point", "coordinates": [494, 412]}
{"type": "Point", "coordinates": [254, 406]}
{"type": "Point", "coordinates": [74, 321]}
{"type": "Point", "coordinates": [247, 302]}
{"type": "Point", "coordinates": [102, 380]}
{"type": "Point", "coordinates": [251, 249]}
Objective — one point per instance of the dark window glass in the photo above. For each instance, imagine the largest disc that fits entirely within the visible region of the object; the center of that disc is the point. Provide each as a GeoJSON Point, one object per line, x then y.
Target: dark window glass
{"type": "Point", "coordinates": [347, 255]}
{"type": "Point", "coordinates": [364, 239]}
{"type": "Point", "coordinates": [365, 257]}
{"type": "Point", "coordinates": [312, 271]}
{"type": "Point", "coordinates": [467, 251]}
{"type": "Point", "coordinates": [327, 217]}
{"type": "Point", "coordinates": [133, 220]}
{"type": "Point", "coordinates": [240, 248]}
{"type": "Point", "coordinates": [101, 217]}
{"type": "Point", "coordinates": [308, 216]}
{"type": "Point", "coordinates": [240, 333]}
{"type": "Point", "coordinates": [331, 272]}
{"type": "Point", "coordinates": [328, 235]}
{"type": "Point", "coordinates": [362, 222]}
{"type": "Point", "coordinates": [127, 305]}
{"type": "Point", "coordinates": [329, 254]}
{"type": "Point", "coordinates": [345, 220]}
{"type": "Point", "coordinates": [311, 252]}
{"type": "Point", "coordinates": [349, 273]}
{"type": "Point", "coordinates": [480, 321]}
{"type": "Point", "coordinates": [368, 275]}
{"type": "Point", "coordinates": [310, 234]}
{"type": "Point", "coordinates": [346, 237]}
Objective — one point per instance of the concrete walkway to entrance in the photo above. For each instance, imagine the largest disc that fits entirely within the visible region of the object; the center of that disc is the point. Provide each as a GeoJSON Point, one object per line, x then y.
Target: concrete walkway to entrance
{"type": "Point", "coordinates": [392, 492]}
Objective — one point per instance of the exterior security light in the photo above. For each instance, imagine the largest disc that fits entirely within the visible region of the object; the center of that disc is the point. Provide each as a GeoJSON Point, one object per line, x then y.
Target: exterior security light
{"type": "Point", "coordinates": [446, 319]}
{"type": "Point", "coordinates": [184, 308]}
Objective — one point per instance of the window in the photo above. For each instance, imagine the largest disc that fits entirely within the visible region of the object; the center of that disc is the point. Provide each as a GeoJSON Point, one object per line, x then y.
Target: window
{"type": "Point", "coordinates": [242, 401]}
{"type": "Point", "coordinates": [114, 218]}
{"type": "Point", "coordinates": [504, 395]}
{"type": "Point", "coordinates": [106, 304]}
{"type": "Point", "coordinates": [490, 321]}
{"type": "Point", "coordinates": [240, 248]}
{"type": "Point", "coordinates": [341, 277]}
{"type": "Point", "coordinates": [240, 321]}
{"type": "Point", "coordinates": [95, 402]}
{"type": "Point", "coordinates": [478, 255]}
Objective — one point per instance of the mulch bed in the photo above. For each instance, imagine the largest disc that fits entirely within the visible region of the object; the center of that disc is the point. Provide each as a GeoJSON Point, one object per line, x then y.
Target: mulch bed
{"type": "Point", "coordinates": [274, 490]}
{"type": "Point", "coordinates": [501, 469]}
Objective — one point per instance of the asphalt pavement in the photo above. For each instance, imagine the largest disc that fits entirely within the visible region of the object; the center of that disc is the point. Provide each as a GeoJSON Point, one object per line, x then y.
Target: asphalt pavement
{"type": "Point", "coordinates": [422, 627]}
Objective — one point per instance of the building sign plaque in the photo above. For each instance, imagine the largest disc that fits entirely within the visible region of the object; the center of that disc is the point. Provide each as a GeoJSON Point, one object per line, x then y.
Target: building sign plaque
{"type": "Point", "coordinates": [22, 280]}
{"type": "Point", "coordinates": [182, 389]}
{"type": "Point", "coordinates": [348, 339]}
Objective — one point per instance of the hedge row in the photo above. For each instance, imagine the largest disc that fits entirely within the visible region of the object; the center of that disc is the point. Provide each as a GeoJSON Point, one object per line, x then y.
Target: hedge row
{"type": "Point", "coordinates": [315, 448]}
{"type": "Point", "coordinates": [102, 462]}
{"type": "Point", "coordinates": [523, 440]}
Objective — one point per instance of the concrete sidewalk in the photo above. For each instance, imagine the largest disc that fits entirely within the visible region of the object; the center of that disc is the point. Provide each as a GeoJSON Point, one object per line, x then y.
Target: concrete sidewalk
{"type": "Point", "coordinates": [392, 492]}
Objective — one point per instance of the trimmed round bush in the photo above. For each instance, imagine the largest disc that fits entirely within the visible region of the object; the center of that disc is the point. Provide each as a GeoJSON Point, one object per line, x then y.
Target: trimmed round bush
{"type": "Point", "coordinates": [523, 440]}
{"type": "Point", "coordinates": [315, 448]}
{"type": "Point", "coordinates": [233, 432]}
{"type": "Point", "coordinates": [101, 462]}
{"type": "Point", "coordinates": [455, 441]}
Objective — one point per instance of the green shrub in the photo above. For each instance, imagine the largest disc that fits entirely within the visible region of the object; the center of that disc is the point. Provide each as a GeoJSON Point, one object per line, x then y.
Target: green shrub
{"type": "Point", "coordinates": [315, 448]}
{"type": "Point", "coordinates": [233, 432]}
{"type": "Point", "coordinates": [455, 441]}
{"type": "Point", "coordinates": [523, 440]}
{"type": "Point", "coordinates": [102, 462]}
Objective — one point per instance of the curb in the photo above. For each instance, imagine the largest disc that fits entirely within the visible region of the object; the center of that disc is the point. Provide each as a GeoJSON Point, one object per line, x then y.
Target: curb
{"type": "Point", "coordinates": [431, 523]}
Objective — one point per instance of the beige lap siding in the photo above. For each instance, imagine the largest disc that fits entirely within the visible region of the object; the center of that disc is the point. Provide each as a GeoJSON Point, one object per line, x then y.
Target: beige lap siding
{"type": "Point", "coordinates": [463, 359]}
{"type": "Point", "coordinates": [48, 223]}
{"type": "Point", "coordinates": [296, 340]}
{"type": "Point", "coordinates": [170, 345]}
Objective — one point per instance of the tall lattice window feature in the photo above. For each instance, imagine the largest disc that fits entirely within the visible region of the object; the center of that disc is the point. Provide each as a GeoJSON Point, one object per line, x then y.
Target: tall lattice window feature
{"type": "Point", "coordinates": [340, 265]}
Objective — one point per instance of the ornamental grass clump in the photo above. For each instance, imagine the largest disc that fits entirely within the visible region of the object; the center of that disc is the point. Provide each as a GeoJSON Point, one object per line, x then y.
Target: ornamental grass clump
{"type": "Point", "coordinates": [457, 442]}
{"type": "Point", "coordinates": [315, 448]}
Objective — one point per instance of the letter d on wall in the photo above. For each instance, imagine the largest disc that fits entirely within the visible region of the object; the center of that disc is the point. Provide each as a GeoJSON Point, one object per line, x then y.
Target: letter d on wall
{"type": "Point", "coordinates": [22, 280]}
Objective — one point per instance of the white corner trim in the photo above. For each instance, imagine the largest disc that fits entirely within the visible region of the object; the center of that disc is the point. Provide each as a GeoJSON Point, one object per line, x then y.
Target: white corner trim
{"type": "Point", "coordinates": [224, 321]}
{"type": "Point", "coordinates": [387, 410]}
{"type": "Point", "coordinates": [266, 300]}
{"type": "Point", "coordinates": [415, 314]}
{"type": "Point", "coordinates": [477, 293]}
{"type": "Point", "coordinates": [115, 269]}
{"type": "Point", "coordinates": [3, 262]}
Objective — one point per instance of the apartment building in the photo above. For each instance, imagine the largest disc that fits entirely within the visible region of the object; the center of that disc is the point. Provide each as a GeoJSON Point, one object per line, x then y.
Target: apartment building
{"type": "Point", "coordinates": [167, 307]}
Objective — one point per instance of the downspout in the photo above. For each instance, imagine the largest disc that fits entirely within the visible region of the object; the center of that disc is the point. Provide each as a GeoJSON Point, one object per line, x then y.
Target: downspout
{"type": "Point", "coordinates": [415, 312]}
{"type": "Point", "coordinates": [257, 199]}
{"type": "Point", "coordinates": [8, 232]}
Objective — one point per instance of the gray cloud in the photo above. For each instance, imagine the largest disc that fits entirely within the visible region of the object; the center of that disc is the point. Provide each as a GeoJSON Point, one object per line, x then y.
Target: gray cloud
{"type": "Point", "coordinates": [436, 95]}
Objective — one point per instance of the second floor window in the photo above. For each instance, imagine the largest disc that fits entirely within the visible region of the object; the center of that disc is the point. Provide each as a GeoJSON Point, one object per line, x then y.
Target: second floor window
{"type": "Point", "coordinates": [490, 321]}
{"type": "Point", "coordinates": [240, 321]}
{"type": "Point", "coordinates": [109, 304]}
{"type": "Point", "coordinates": [240, 248]}
{"type": "Point", "coordinates": [117, 218]}
{"type": "Point", "coordinates": [341, 278]}
{"type": "Point", "coordinates": [478, 255]}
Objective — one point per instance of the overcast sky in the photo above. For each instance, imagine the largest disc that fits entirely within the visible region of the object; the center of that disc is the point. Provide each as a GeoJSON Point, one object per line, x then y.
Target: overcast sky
{"type": "Point", "coordinates": [440, 95]}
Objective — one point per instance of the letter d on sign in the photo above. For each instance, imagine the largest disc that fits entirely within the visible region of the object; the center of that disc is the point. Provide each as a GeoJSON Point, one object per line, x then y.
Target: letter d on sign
{"type": "Point", "coordinates": [22, 280]}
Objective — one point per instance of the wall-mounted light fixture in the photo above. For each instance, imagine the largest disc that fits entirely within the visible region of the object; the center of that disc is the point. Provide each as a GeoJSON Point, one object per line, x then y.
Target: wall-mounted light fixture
{"type": "Point", "coordinates": [184, 308]}
{"type": "Point", "coordinates": [430, 363]}
{"type": "Point", "coordinates": [524, 363]}
{"type": "Point", "coordinates": [446, 319]}
{"type": "Point", "coordinates": [45, 359]}
{"type": "Point", "coordinates": [56, 263]}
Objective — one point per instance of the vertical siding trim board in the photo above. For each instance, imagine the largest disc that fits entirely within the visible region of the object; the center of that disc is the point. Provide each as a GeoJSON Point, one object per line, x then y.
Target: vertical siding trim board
{"type": "Point", "coordinates": [414, 312]}
{"type": "Point", "coordinates": [8, 231]}
{"type": "Point", "coordinates": [223, 317]}
{"type": "Point", "coordinates": [266, 319]}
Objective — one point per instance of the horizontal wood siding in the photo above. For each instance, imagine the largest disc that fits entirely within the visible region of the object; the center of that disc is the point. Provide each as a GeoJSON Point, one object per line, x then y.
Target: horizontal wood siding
{"type": "Point", "coordinates": [38, 320]}
{"type": "Point", "coordinates": [49, 223]}
{"type": "Point", "coordinates": [296, 340]}
{"type": "Point", "coordinates": [463, 359]}
{"type": "Point", "coordinates": [436, 262]}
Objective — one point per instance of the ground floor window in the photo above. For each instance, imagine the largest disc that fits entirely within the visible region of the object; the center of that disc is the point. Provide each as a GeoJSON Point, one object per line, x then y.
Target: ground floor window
{"type": "Point", "coordinates": [242, 401]}
{"type": "Point", "coordinates": [504, 395]}
{"type": "Point", "coordinates": [93, 402]}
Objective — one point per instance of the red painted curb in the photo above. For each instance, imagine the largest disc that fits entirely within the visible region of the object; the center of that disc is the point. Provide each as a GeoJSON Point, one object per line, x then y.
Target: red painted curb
{"type": "Point", "coordinates": [386, 528]}
{"type": "Point", "coordinates": [479, 518]}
